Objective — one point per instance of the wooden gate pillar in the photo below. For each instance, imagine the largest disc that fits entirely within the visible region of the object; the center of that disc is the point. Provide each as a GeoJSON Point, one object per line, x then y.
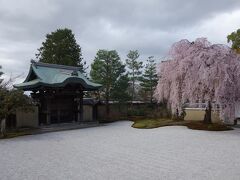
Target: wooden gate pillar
{"type": "Point", "coordinates": [80, 107]}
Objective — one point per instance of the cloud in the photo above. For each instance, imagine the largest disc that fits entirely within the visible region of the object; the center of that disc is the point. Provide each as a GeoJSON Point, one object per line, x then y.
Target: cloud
{"type": "Point", "coordinates": [149, 26]}
{"type": "Point", "coordinates": [217, 28]}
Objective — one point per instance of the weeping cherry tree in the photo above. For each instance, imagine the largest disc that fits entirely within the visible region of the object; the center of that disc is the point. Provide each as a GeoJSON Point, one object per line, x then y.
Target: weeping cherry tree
{"type": "Point", "coordinates": [201, 72]}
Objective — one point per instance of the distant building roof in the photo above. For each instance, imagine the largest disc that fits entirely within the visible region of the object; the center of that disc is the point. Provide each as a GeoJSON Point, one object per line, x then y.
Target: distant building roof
{"type": "Point", "coordinates": [53, 75]}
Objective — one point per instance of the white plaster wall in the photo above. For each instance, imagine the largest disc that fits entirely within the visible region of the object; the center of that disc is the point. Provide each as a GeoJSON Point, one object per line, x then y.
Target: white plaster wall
{"type": "Point", "coordinates": [27, 118]}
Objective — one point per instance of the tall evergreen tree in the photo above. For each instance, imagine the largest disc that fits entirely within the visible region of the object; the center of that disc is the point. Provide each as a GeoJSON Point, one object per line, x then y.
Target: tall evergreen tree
{"type": "Point", "coordinates": [106, 69]}
{"type": "Point", "coordinates": [149, 79]}
{"type": "Point", "coordinates": [120, 89]}
{"type": "Point", "coordinates": [60, 47]}
{"type": "Point", "coordinates": [1, 73]}
{"type": "Point", "coordinates": [135, 67]}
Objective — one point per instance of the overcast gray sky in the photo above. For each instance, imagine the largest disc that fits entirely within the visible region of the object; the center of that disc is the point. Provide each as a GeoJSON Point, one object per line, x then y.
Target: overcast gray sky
{"type": "Point", "coordinates": [150, 26]}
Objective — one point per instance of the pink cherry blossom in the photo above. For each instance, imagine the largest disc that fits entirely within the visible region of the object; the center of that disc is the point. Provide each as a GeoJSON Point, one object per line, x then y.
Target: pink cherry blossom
{"type": "Point", "coordinates": [200, 72]}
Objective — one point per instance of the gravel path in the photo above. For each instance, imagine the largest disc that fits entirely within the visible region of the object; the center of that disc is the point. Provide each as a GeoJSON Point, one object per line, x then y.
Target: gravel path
{"type": "Point", "coordinates": [117, 151]}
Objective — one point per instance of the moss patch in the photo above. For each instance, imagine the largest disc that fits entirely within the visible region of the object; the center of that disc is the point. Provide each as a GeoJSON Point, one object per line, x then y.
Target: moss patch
{"type": "Point", "coordinates": [208, 127]}
{"type": "Point", "coordinates": [19, 132]}
{"type": "Point", "coordinates": [155, 123]}
{"type": "Point", "coordinates": [15, 134]}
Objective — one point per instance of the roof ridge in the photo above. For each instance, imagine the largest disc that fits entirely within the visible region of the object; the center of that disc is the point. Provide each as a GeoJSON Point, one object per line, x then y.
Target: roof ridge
{"type": "Point", "coordinates": [58, 66]}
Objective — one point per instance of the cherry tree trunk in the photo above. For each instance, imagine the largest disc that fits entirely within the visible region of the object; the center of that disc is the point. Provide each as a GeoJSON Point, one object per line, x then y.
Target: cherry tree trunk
{"type": "Point", "coordinates": [208, 114]}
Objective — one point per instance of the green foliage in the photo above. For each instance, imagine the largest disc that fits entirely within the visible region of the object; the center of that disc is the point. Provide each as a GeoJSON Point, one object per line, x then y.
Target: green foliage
{"type": "Point", "coordinates": [135, 67]}
{"type": "Point", "coordinates": [179, 116]}
{"type": "Point", "coordinates": [182, 114]}
{"type": "Point", "coordinates": [149, 78]}
{"type": "Point", "coordinates": [10, 100]}
{"type": "Point", "coordinates": [107, 69]}
{"type": "Point", "coordinates": [234, 37]}
{"type": "Point", "coordinates": [155, 123]}
{"type": "Point", "coordinates": [1, 73]}
{"type": "Point", "coordinates": [136, 112]}
{"type": "Point", "coordinates": [152, 111]}
{"type": "Point", "coordinates": [159, 112]}
{"type": "Point", "coordinates": [199, 125]}
{"type": "Point", "coordinates": [60, 47]}
{"type": "Point", "coordinates": [119, 91]}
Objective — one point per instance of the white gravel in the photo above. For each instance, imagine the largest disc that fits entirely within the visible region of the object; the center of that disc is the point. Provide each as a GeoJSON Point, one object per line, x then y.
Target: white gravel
{"type": "Point", "coordinates": [117, 151]}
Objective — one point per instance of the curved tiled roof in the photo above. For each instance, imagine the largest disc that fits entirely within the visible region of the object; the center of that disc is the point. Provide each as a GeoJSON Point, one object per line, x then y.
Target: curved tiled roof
{"type": "Point", "coordinates": [53, 75]}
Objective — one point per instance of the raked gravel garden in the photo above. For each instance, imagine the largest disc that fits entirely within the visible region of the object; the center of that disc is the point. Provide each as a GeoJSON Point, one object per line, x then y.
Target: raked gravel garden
{"type": "Point", "coordinates": [118, 151]}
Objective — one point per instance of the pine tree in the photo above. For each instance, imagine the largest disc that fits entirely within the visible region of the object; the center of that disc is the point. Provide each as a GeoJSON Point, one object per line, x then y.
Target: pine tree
{"type": "Point", "coordinates": [149, 78]}
{"type": "Point", "coordinates": [106, 69]}
{"type": "Point", "coordinates": [135, 67]}
{"type": "Point", "coordinates": [60, 47]}
{"type": "Point", "coordinates": [120, 89]}
{"type": "Point", "coordinates": [1, 73]}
